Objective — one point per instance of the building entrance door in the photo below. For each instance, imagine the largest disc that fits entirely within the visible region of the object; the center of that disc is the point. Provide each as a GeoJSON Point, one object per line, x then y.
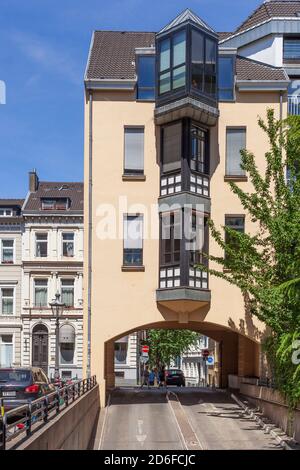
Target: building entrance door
{"type": "Point", "coordinates": [40, 347]}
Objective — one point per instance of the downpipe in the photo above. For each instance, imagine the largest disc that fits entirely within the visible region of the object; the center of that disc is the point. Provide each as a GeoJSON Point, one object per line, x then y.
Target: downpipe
{"type": "Point", "coordinates": [90, 201]}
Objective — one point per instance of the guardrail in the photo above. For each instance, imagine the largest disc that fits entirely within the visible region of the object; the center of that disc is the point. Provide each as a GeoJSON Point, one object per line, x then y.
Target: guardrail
{"type": "Point", "coordinates": [20, 421]}
{"type": "Point", "coordinates": [294, 105]}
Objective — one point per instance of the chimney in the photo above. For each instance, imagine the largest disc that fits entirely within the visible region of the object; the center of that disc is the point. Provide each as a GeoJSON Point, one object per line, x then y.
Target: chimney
{"type": "Point", "coordinates": [33, 181]}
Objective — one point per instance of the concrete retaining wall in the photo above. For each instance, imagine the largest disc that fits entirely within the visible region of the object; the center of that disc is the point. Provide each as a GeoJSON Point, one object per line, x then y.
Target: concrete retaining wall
{"type": "Point", "coordinates": [72, 429]}
{"type": "Point", "coordinates": [273, 405]}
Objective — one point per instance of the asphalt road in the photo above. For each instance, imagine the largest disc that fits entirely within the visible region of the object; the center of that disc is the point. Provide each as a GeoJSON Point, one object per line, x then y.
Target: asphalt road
{"type": "Point", "coordinates": [219, 423]}
{"type": "Point", "coordinates": [140, 419]}
{"type": "Point", "coordinates": [144, 419]}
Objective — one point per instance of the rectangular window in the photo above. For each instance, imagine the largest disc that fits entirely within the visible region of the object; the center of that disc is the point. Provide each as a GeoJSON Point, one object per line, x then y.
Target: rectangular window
{"type": "Point", "coordinates": [68, 244]}
{"type": "Point", "coordinates": [41, 292]}
{"type": "Point", "coordinates": [235, 142]}
{"type": "Point", "coordinates": [6, 213]}
{"type": "Point", "coordinates": [146, 78]}
{"type": "Point", "coordinates": [197, 60]}
{"type": "Point", "coordinates": [172, 70]}
{"type": "Point", "coordinates": [235, 223]}
{"type": "Point", "coordinates": [199, 160]}
{"type": "Point", "coordinates": [170, 238]}
{"type": "Point", "coordinates": [291, 49]}
{"type": "Point", "coordinates": [134, 151]}
{"type": "Point", "coordinates": [55, 204]}
{"type": "Point", "coordinates": [7, 301]}
{"type": "Point", "coordinates": [41, 240]}
{"type": "Point", "coordinates": [121, 353]}
{"type": "Point", "coordinates": [226, 78]}
{"type": "Point", "coordinates": [133, 240]}
{"type": "Point", "coordinates": [7, 255]}
{"type": "Point", "coordinates": [210, 67]}
{"type": "Point", "coordinates": [6, 350]}
{"type": "Point", "coordinates": [67, 292]}
{"type": "Point", "coordinates": [171, 147]}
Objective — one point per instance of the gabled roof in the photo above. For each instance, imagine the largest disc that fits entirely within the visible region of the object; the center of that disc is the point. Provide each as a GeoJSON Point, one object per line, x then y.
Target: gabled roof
{"type": "Point", "coordinates": [248, 69]}
{"type": "Point", "coordinates": [271, 9]}
{"type": "Point", "coordinates": [52, 190]}
{"type": "Point", "coordinates": [112, 54]}
{"type": "Point", "coordinates": [224, 35]}
{"type": "Point", "coordinates": [186, 15]}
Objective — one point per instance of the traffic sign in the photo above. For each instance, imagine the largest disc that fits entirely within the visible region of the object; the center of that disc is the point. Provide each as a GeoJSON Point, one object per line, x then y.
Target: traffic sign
{"type": "Point", "coordinates": [144, 359]}
{"type": "Point", "coordinates": [210, 360]}
{"type": "Point", "coordinates": [145, 348]}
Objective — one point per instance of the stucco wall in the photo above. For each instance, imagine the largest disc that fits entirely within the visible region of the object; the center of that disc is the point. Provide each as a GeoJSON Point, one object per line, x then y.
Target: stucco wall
{"type": "Point", "coordinates": [124, 301]}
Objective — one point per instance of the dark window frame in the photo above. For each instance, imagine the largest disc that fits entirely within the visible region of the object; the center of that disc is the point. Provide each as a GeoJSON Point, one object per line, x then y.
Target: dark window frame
{"type": "Point", "coordinates": [171, 68]}
{"type": "Point", "coordinates": [233, 216]}
{"type": "Point", "coordinates": [290, 60]}
{"type": "Point", "coordinates": [229, 175]}
{"type": "Point", "coordinates": [136, 172]}
{"type": "Point", "coordinates": [172, 251]}
{"type": "Point", "coordinates": [142, 88]}
{"type": "Point", "coordinates": [233, 99]}
{"type": "Point", "coordinates": [138, 251]}
{"type": "Point", "coordinates": [206, 161]}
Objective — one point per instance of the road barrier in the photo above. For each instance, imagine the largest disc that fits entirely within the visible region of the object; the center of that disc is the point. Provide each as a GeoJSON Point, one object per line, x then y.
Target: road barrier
{"type": "Point", "coordinates": [19, 422]}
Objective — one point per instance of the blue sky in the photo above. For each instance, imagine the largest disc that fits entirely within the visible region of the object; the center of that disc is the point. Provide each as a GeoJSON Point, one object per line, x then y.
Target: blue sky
{"type": "Point", "coordinates": [43, 50]}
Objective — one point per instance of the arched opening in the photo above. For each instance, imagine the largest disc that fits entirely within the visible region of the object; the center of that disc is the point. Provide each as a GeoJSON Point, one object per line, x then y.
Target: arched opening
{"type": "Point", "coordinates": [67, 344]}
{"type": "Point", "coordinates": [233, 355]}
{"type": "Point", "coordinates": [40, 340]}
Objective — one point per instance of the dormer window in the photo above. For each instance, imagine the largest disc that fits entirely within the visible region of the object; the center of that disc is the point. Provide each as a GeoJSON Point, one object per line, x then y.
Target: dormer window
{"type": "Point", "coordinates": [55, 204]}
{"type": "Point", "coordinates": [6, 213]}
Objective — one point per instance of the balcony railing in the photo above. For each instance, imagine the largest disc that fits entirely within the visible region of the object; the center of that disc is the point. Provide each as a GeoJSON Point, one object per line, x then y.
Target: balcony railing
{"type": "Point", "coordinates": [294, 105]}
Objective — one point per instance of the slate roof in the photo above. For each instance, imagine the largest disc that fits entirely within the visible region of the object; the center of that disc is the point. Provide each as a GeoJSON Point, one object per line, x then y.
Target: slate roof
{"type": "Point", "coordinates": [113, 54]}
{"type": "Point", "coordinates": [248, 69]}
{"type": "Point", "coordinates": [49, 190]}
{"type": "Point", "coordinates": [270, 9]}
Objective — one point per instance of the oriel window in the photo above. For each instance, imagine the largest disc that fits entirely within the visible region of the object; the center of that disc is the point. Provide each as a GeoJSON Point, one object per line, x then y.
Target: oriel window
{"type": "Point", "coordinates": [171, 235]}
{"type": "Point", "coordinates": [171, 147]}
{"type": "Point", "coordinates": [198, 158]}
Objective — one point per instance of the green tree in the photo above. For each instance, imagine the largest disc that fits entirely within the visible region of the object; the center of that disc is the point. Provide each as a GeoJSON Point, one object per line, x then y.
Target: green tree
{"type": "Point", "coordinates": [266, 265]}
{"type": "Point", "coordinates": [166, 345]}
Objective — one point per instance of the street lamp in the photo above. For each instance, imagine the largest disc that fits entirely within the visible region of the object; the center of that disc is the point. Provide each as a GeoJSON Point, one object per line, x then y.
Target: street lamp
{"type": "Point", "coordinates": [57, 308]}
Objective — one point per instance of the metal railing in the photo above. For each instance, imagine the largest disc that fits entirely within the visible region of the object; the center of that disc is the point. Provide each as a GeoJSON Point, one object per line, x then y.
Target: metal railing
{"type": "Point", "coordinates": [23, 420]}
{"type": "Point", "coordinates": [294, 105]}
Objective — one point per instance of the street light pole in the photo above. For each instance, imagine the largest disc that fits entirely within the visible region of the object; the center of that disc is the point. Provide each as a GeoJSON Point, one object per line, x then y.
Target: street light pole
{"type": "Point", "coordinates": [57, 310]}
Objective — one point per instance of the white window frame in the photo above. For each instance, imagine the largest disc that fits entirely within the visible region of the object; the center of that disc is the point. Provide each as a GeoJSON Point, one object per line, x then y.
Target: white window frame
{"type": "Point", "coordinates": [38, 278]}
{"type": "Point", "coordinates": [65, 232]}
{"type": "Point", "coordinates": [36, 241]}
{"type": "Point", "coordinates": [13, 248]}
{"type": "Point", "coordinates": [61, 287]}
{"type": "Point", "coordinates": [8, 286]}
{"type": "Point", "coordinates": [11, 333]}
{"type": "Point", "coordinates": [5, 209]}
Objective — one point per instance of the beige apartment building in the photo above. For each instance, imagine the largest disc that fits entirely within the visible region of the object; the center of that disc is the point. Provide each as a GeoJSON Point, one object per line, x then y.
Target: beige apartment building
{"type": "Point", "coordinates": [166, 115]}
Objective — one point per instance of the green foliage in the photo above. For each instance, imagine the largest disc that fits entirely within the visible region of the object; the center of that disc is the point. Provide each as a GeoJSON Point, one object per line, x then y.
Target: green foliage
{"type": "Point", "coordinates": [266, 265]}
{"type": "Point", "coordinates": [167, 345]}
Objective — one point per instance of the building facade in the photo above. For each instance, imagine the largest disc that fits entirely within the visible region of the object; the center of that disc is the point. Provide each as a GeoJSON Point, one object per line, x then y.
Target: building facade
{"type": "Point", "coordinates": [10, 282]}
{"type": "Point", "coordinates": [52, 262]}
{"type": "Point", "coordinates": [166, 115]}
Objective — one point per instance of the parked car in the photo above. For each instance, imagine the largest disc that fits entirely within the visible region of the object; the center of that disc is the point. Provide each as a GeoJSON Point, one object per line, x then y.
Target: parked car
{"type": "Point", "coordinates": [21, 385]}
{"type": "Point", "coordinates": [175, 377]}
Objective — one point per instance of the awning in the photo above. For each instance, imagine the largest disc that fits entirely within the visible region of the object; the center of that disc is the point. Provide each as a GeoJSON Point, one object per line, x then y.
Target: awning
{"type": "Point", "coordinates": [67, 334]}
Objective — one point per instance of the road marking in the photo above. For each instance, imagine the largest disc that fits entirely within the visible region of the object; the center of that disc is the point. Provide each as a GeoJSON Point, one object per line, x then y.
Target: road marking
{"type": "Point", "coordinates": [193, 440]}
{"type": "Point", "coordinates": [140, 436]}
{"type": "Point", "coordinates": [104, 422]}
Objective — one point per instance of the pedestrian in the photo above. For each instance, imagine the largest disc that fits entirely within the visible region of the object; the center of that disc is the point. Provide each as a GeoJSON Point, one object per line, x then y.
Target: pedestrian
{"type": "Point", "coordinates": [151, 377]}
{"type": "Point", "coordinates": [162, 378]}
{"type": "Point", "coordinates": [145, 378]}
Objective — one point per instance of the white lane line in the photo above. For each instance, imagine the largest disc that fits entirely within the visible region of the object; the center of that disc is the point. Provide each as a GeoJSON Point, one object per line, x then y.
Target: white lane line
{"type": "Point", "coordinates": [104, 422]}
